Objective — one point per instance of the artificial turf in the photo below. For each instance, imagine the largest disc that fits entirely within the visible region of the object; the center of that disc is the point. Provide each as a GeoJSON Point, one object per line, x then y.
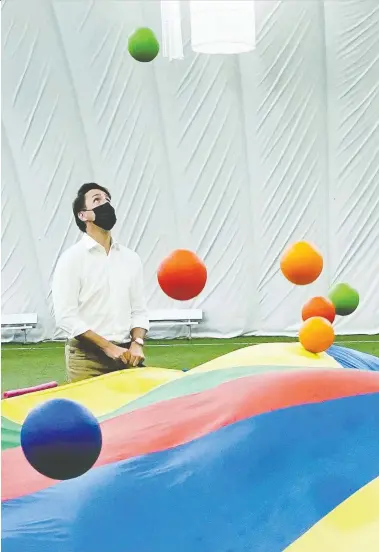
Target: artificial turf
{"type": "Point", "coordinates": [33, 364]}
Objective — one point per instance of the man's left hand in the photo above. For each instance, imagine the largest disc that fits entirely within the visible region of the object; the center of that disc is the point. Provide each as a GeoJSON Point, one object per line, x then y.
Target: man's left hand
{"type": "Point", "coordinates": [136, 354]}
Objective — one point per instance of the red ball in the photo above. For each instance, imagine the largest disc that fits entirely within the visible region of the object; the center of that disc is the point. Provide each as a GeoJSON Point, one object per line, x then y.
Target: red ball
{"type": "Point", "coordinates": [182, 275]}
{"type": "Point", "coordinates": [319, 306]}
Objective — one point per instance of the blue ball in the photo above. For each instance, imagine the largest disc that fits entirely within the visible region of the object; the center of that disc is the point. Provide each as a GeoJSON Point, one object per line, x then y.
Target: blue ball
{"type": "Point", "coordinates": [61, 439]}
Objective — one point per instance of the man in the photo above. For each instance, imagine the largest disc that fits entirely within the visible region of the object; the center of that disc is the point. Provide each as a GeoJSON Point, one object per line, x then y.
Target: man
{"type": "Point", "coordinates": [98, 293]}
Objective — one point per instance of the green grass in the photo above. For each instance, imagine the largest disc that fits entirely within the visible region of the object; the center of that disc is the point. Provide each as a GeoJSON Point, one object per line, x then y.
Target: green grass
{"type": "Point", "coordinates": [24, 366]}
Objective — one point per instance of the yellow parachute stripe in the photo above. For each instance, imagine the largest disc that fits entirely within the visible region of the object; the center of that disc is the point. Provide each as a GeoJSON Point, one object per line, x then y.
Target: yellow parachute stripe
{"type": "Point", "coordinates": [270, 354]}
{"type": "Point", "coordinates": [101, 395]}
{"type": "Point", "coordinates": [351, 527]}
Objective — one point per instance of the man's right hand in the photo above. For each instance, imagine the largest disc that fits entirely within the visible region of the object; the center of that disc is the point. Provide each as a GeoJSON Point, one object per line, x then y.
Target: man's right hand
{"type": "Point", "coordinates": [110, 349]}
{"type": "Point", "coordinates": [117, 353]}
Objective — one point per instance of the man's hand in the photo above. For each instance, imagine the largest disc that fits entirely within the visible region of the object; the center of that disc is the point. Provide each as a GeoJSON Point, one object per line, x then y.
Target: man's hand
{"type": "Point", "coordinates": [136, 354]}
{"type": "Point", "coordinates": [117, 353]}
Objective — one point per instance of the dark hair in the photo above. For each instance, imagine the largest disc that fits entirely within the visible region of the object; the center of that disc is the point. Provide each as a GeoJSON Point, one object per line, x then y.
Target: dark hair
{"type": "Point", "coordinates": [79, 202]}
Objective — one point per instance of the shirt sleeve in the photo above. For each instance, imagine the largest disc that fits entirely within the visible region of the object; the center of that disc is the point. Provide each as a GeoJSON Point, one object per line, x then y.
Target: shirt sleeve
{"type": "Point", "coordinates": [139, 312]}
{"type": "Point", "coordinates": [65, 294]}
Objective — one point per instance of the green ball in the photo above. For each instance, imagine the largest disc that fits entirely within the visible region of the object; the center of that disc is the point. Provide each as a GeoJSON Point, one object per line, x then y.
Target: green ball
{"type": "Point", "coordinates": [344, 298]}
{"type": "Point", "coordinates": [143, 45]}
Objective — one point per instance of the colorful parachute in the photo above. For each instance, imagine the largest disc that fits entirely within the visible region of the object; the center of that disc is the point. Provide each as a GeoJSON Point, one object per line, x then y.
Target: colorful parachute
{"type": "Point", "coordinates": [266, 449]}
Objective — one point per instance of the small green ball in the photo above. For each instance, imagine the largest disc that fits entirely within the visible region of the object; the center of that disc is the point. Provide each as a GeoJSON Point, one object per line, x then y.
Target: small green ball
{"type": "Point", "coordinates": [143, 45]}
{"type": "Point", "coordinates": [344, 298]}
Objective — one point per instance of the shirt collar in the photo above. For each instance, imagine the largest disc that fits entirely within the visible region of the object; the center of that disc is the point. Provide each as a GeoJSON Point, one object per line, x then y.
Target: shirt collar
{"type": "Point", "coordinates": [90, 243]}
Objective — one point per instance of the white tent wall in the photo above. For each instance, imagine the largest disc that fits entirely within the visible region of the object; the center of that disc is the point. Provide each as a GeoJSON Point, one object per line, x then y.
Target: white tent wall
{"type": "Point", "coordinates": [234, 157]}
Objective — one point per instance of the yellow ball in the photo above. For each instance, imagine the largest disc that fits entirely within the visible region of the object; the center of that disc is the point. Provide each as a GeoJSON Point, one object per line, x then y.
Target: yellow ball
{"type": "Point", "coordinates": [301, 263]}
{"type": "Point", "coordinates": [316, 334]}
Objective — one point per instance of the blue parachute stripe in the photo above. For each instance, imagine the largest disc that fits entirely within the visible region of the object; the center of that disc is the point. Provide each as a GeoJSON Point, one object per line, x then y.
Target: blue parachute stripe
{"type": "Point", "coordinates": [350, 358]}
{"type": "Point", "coordinates": [258, 485]}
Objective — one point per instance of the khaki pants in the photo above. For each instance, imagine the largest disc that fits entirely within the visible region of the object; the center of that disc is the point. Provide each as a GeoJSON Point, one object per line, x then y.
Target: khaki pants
{"type": "Point", "coordinates": [84, 360]}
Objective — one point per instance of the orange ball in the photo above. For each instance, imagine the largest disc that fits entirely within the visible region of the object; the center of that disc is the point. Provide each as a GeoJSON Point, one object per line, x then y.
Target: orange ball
{"type": "Point", "coordinates": [316, 334]}
{"type": "Point", "coordinates": [182, 275]}
{"type": "Point", "coordinates": [319, 306]}
{"type": "Point", "coordinates": [301, 263]}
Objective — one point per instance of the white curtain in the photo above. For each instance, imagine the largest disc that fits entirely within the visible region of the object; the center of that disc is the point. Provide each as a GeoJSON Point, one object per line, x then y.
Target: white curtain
{"type": "Point", "coordinates": [233, 157]}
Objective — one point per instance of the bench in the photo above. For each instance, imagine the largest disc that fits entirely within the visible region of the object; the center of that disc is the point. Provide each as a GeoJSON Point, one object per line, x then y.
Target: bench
{"type": "Point", "coordinates": [176, 317]}
{"type": "Point", "coordinates": [20, 322]}
{"type": "Point", "coordinates": [163, 317]}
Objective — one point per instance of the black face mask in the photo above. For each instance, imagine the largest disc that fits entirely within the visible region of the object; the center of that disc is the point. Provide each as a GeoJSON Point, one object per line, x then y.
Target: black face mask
{"type": "Point", "coordinates": [105, 216]}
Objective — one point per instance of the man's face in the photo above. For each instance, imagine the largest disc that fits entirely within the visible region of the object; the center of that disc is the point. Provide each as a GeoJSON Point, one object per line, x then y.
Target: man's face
{"type": "Point", "coordinates": [93, 199]}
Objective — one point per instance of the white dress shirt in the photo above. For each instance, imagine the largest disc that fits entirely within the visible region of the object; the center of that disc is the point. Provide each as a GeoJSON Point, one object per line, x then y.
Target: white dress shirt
{"type": "Point", "coordinates": [99, 292]}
